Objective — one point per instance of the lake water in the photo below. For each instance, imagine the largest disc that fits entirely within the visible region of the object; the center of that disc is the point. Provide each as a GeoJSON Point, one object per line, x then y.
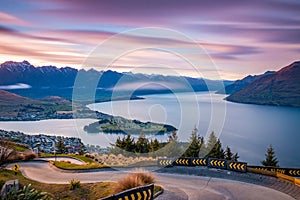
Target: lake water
{"type": "Point", "coordinates": [247, 129]}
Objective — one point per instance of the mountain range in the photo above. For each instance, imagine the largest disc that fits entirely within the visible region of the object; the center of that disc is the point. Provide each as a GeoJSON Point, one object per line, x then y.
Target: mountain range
{"type": "Point", "coordinates": [280, 88]}
{"type": "Point", "coordinates": [271, 88]}
{"type": "Point", "coordinates": [38, 82]}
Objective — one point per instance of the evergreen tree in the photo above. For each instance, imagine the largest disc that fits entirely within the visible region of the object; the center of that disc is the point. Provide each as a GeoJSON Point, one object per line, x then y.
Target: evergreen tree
{"type": "Point", "coordinates": [129, 144]}
{"type": "Point", "coordinates": [235, 157]}
{"type": "Point", "coordinates": [195, 144]}
{"type": "Point", "coordinates": [154, 145]}
{"type": "Point", "coordinates": [172, 148]}
{"type": "Point", "coordinates": [142, 144]}
{"type": "Point", "coordinates": [228, 153]}
{"type": "Point", "coordinates": [270, 159]}
{"type": "Point", "coordinates": [212, 140]}
{"type": "Point", "coordinates": [230, 156]}
{"type": "Point", "coordinates": [217, 151]}
{"type": "Point", "coordinates": [61, 148]}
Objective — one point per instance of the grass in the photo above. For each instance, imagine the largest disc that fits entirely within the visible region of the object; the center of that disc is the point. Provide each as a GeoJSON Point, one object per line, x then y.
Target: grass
{"type": "Point", "coordinates": [13, 145]}
{"type": "Point", "coordinates": [80, 157]}
{"type": "Point", "coordinates": [134, 180]}
{"type": "Point", "coordinates": [62, 191]}
{"type": "Point", "coordinates": [72, 166]}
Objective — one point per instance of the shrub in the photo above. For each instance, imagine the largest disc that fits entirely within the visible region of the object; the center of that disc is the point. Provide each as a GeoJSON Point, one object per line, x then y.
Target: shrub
{"type": "Point", "coordinates": [74, 184]}
{"type": "Point", "coordinates": [27, 193]}
{"type": "Point", "coordinates": [134, 180]}
{"type": "Point", "coordinates": [30, 156]}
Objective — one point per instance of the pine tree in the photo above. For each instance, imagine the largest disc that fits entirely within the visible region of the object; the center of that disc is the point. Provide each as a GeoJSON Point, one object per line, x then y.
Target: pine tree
{"type": "Point", "coordinates": [217, 151]}
{"type": "Point", "coordinates": [195, 144]}
{"type": "Point", "coordinates": [142, 144]}
{"type": "Point", "coordinates": [235, 157]}
{"type": "Point", "coordinates": [212, 140]}
{"type": "Point", "coordinates": [270, 159]}
{"type": "Point", "coordinates": [154, 145]}
{"type": "Point", "coordinates": [228, 154]}
{"type": "Point", "coordinates": [129, 144]}
{"type": "Point", "coordinates": [61, 148]}
{"type": "Point", "coordinates": [172, 148]}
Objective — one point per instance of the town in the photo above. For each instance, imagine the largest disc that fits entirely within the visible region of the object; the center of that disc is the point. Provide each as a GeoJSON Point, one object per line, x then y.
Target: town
{"type": "Point", "coordinates": [45, 143]}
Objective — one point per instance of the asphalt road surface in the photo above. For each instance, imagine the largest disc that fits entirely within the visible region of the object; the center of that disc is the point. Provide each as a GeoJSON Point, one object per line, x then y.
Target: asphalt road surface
{"type": "Point", "coordinates": [176, 186]}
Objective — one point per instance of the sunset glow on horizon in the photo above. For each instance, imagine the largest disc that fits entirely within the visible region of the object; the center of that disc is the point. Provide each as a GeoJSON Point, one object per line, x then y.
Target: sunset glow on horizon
{"type": "Point", "coordinates": [241, 37]}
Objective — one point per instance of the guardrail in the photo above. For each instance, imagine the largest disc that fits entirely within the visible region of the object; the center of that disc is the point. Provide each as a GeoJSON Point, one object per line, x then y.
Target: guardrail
{"type": "Point", "coordinates": [143, 192]}
{"type": "Point", "coordinates": [225, 164]}
{"type": "Point", "coordinates": [210, 162]}
{"type": "Point", "coordinates": [287, 171]}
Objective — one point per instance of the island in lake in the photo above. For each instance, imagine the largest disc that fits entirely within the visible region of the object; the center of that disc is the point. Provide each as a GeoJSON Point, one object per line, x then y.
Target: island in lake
{"type": "Point", "coordinates": [125, 126]}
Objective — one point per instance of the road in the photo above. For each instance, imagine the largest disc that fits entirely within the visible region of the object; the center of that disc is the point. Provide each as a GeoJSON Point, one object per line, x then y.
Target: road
{"type": "Point", "coordinates": [176, 186]}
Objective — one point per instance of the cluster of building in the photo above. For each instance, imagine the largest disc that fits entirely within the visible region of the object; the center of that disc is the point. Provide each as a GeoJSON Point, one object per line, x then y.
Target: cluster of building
{"type": "Point", "coordinates": [45, 143]}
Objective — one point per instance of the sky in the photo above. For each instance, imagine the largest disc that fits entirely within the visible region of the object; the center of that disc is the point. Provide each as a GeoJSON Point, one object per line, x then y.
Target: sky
{"type": "Point", "coordinates": [193, 38]}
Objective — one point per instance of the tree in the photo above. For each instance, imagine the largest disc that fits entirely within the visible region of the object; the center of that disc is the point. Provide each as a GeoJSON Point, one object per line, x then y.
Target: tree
{"type": "Point", "coordinates": [212, 140]}
{"type": "Point", "coordinates": [230, 156]}
{"type": "Point", "coordinates": [172, 148]}
{"type": "Point", "coordinates": [270, 159]}
{"type": "Point", "coordinates": [235, 157]}
{"type": "Point", "coordinates": [217, 151]}
{"type": "Point", "coordinates": [129, 144]}
{"type": "Point", "coordinates": [195, 144]}
{"type": "Point", "coordinates": [142, 144]}
{"type": "Point", "coordinates": [228, 153]}
{"type": "Point", "coordinates": [154, 145]}
{"type": "Point", "coordinates": [61, 148]}
{"type": "Point", "coordinates": [5, 154]}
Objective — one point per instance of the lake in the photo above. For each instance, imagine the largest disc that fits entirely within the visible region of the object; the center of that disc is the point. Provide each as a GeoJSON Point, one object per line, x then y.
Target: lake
{"type": "Point", "coordinates": [247, 129]}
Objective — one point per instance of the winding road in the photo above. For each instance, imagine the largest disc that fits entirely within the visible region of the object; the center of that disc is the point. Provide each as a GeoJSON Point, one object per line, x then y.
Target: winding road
{"type": "Point", "coordinates": [176, 186]}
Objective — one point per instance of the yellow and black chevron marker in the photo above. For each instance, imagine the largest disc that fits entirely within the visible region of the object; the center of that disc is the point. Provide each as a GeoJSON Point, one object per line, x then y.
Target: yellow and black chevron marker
{"type": "Point", "coordinates": [199, 162]}
{"type": "Point", "coordinates": [237, 166]}
{"type": "Point", "coordinates": [165, 162]}
{"type": "Point", "coordinates": [140, 193]}
{"type": "Point", "coordinates": [287, 171]}
{"type": "Point", "coordinates": [217, 163]}
{"type": "Point", "coordinates": [182, 162]}
{"type": "Point", "coordinates": [294, 172]}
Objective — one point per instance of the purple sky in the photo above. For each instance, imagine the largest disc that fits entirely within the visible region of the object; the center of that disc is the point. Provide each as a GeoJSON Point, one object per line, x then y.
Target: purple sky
{"type": "Point", "coordinates": [240, 37]}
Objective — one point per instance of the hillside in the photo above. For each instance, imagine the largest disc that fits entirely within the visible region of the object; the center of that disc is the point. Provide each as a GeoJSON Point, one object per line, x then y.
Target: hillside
{"type": "Point", "coordinates": [7, 98]}
{"type": "Point", "coordinates": [281, 88]}
{"type": "Point", "coordinates": [240, 84]}
{"type": "Point", "coordinates": [15, 107]}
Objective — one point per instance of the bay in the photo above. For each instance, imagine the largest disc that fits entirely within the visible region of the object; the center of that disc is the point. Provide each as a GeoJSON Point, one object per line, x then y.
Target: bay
{"type": "Point", "coordinates": [247, 129]}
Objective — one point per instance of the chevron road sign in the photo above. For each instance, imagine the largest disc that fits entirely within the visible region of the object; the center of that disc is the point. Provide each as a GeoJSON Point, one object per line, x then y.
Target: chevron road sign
{"type": "Point", "coordinates": [140, 193]}
{"type": "Point", "coordinates": [217, 163]}
{"type": "Point", "coordinates": [198, 162]}
{"type": "Point", "coordinates": [16, 167]}
{"type": "Point", "coordinates": [182, 162]}
{"type": "Point", "coordinates": [287, 171]}
{"type": "Point", "coordinates": [237, 166]}
{"type": "Point", "coordinates": [165, 162]}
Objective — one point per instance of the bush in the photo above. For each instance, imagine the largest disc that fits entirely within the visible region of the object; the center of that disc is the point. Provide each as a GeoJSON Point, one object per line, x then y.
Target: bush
{"type": "Point", "coordinates": [30, 156]}
{"type": "Point", "coordinates": [27, 193]}
{"type": "Point", "coordinates": [134, 180]}
{"type": "Point", "coordinates": [74, 184]}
